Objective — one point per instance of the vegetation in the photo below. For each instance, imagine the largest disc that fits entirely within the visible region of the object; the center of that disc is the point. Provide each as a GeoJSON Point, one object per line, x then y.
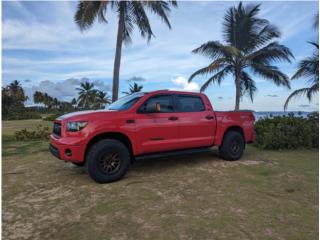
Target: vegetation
{"type": "Point", "coordinates": [51, 103]}
{"type": "Point", "coordinates": [288, 132]}
{"type": "Point", "coordinates": [41, 132]}
{"type": "Point", "coordinates": [13, 98]}
{"type": "Point", "coordinates": [90, 98]}
{"type": "Point", "coordinates": [265, 195]}
{"type": "Point", "coordinates": [308, 68]}
{"type": "Point", "coordinates": [130, 13]}
{"type": "Point", "coordinates": [134, 88]}
{"type": "Point", "coordinates": [13, 102]}
{"type": "Point", "coordinates": [249, 45]}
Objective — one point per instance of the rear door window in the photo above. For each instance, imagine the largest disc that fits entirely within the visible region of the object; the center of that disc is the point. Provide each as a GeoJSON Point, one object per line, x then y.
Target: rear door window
{"type": "Point", "coordinates": [189, 103]}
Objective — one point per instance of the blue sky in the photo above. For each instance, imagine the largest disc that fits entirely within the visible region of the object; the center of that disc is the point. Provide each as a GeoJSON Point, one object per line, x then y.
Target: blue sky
{"type": "Point", "coordinates": [44, 49]}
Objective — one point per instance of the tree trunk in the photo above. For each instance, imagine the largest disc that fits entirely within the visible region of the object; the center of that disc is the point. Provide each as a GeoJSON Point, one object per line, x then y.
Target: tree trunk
{"type": "Point", "coordinates": [238, 93]}
{"type": "Point", "coordinates": [117, 59]}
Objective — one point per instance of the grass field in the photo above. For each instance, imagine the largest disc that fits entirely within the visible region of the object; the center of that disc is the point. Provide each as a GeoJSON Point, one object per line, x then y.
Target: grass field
{"type": "Point", "coordinates": [265, 195]}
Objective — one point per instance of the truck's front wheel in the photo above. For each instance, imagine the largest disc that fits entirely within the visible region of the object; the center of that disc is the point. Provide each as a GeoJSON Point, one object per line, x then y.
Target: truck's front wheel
{"type": "Point", "coordinates": [107, 161]}
{"type": "Point", "coordinates": [232, 146]}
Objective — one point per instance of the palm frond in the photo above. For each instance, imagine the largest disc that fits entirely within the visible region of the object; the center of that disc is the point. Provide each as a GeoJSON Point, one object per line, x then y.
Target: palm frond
{"type": "Point", "coordinates": [271, 73]}
{"type": "Point", "coordinates": [269, 53]}
{"type": "Point", "coordinates": [212, 67]}
{"type": "Point", "coordinates": [215, 49]}
{"type": "Point", "coordinates": [141, 20]}
{"type": "Point", "coordinates": [298, 93]}
{"type": "Point", "coordinates": [161, 9]}
{"type": "Point", "coordinates": [247, 85]}
{"type": "Point", "coordinates": [86, 14]}
{"type": "Point", "coordinates": [308, 67]}
{"type": "Point", "coordinates": [218, 77]}
{"type": "Point", "coordinates": [128, 21]}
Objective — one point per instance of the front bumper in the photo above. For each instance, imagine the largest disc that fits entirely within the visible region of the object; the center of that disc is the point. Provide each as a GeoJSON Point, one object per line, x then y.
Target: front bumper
{"type": "Point", "coordinates": [54, 151]}
{"type": "Point", "coordinates": [66, 152]}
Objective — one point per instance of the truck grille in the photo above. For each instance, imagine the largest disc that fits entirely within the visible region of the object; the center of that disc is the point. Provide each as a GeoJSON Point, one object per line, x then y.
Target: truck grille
{"type": "Point", "coordinates": [57, 129]}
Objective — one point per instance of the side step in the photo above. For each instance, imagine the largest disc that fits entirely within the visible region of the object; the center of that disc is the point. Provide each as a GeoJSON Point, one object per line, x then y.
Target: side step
{"type": "Point", "coordinates": [174, 153]}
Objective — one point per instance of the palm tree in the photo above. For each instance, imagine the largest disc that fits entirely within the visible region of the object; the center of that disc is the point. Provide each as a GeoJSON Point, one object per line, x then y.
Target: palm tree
{"type": "Point", "coordinates": [134, 88]}
{"type": "Point", "coordinates": [102, 99]}
{"type": "Point", "coordinates": [249, 45]}
{"type": "Point", "coordinates": [37, 97]}
{"type": "Point", "coordinates": [48, 101]}
{"type": "Point", "coordinates": [87, 95]}
{"type": "Point", "coordinates": [307, 68]}
{"type": "Point", "coordinates": [130, 13]}
{"type": "Point", "coordinates": [74, 102]}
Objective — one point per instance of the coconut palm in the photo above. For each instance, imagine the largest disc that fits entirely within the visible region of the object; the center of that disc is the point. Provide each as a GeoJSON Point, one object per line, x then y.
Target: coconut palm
{"type": "Point", "coordinates": [37, 97]}
{"type": "Point", "coordinates": [102, 99]}
{"type": "Point", "coordinates": [48, 101]}
{"type": "Point", "coordinates": [74, 102]}
{"type": "Point", "coordinates": [87, 95]}
{"type": "Point", "coordinates": [307, 68]}
{"type": "Point", "coordinates": [249, 47]}
{"type": "Point", "coordinates": [134, 88]}
{"type": "Point", "coordinates": [130, 14]}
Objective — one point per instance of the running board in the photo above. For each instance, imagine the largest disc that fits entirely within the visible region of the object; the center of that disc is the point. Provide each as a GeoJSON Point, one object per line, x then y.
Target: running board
{"type": "Point", "coordinates": [174, 153]}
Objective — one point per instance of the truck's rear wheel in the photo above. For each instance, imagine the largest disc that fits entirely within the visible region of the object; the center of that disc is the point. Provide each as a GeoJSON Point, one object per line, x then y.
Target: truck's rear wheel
{"type": "Point", "coordinates": [107, 161]}
{"type": "Point", "coordinates": [232, 146]}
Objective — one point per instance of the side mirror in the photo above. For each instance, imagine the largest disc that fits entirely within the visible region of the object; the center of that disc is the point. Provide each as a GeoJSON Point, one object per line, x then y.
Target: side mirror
{"type": "Point", "coordinates": [153, 108]}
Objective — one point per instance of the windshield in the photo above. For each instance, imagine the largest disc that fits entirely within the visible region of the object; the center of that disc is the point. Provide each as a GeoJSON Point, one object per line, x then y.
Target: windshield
{"type": "Point", "coordinates": [126, 102]}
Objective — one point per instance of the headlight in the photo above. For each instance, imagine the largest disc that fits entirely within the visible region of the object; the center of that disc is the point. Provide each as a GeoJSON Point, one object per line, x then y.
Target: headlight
{"type": "Point", "coordinates": [76, 126]}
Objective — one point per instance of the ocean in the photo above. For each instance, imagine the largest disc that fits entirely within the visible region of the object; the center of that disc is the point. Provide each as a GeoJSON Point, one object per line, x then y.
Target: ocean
{"type": "Point", "coordinates": [259, 115]}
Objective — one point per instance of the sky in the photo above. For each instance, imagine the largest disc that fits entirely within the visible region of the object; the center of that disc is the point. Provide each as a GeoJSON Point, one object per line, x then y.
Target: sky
{"type": "Point", "coordinates": [44, 49]}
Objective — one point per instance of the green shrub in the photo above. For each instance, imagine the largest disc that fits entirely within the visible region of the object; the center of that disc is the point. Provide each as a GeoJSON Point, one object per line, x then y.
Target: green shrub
{"type": "Point", "coordinates": [20, 114]}
{"type": "Point", "coordinates": [288, 132]}
{"type": "Point", "coordinates": [41, 132]}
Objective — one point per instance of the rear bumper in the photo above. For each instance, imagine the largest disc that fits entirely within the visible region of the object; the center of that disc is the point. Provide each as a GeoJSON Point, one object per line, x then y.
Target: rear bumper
{"type": "Point", "coordinates": [66, 152]}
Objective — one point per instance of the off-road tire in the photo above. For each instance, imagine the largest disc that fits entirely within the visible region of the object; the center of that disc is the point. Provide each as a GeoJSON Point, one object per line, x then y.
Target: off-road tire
{"type": "Point", "coordinates": [98, 152]}
{"type": "Point", "coordinates": [232, 147]}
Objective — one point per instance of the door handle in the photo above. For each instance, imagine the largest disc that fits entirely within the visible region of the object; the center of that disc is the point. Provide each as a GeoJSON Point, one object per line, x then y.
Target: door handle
{"type": "Point", "coordinates": [173, 118]}
{"type": "Point", "coordinates": [209, 117]}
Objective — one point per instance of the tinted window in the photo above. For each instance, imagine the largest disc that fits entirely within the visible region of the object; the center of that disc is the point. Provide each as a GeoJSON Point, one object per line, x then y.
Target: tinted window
{"type": "Point", "coordinates": [126, 102]}
{"type": "Point", "coordinates": [166, 103]}
{"type": "Point", "coordinates": [187, 103]}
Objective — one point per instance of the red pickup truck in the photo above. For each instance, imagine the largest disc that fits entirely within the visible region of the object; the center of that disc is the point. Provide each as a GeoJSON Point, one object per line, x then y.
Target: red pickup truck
{"type": "Point", "coordinates": [143, 125]}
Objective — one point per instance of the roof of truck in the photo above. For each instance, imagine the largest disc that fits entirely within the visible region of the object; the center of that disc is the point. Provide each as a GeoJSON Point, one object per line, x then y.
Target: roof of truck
{"type": "Point", "coordinates": [173, 91]}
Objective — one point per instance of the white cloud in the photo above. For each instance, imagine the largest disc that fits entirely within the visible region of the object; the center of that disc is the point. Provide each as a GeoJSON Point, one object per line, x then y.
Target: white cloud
{"type": "Point", "coordinates": [183, 84]}
{"type": "Point", "coordinates": [63, 90]}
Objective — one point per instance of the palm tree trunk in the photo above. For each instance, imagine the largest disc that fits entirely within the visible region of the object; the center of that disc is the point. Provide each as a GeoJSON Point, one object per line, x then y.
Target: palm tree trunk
{"type": "Point", "coordinates": [117, 59]}
{"type": "Point", "coordinates": [238, 93]}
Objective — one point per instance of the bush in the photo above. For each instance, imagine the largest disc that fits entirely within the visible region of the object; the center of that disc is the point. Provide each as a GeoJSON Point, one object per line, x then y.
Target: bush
{"type": "Point", "coordinates": [288, 132]}
{"type": "Point", "coordinates": [41, 132]}
{"type": "Point", "coordinates": [20, 113]}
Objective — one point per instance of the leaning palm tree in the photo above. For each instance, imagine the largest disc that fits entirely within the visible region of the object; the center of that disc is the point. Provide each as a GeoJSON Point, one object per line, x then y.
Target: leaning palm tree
{"type": "Point", "coordinates": [249, 47]}
{"type": "Point", "coordinates": [134, 88]}
{"type": "Point", "coordinates": [130, 13]}
{"type": "Point", "coordinates": [87, 95]}
{"type": "Point", "coordinates": [307, 68]}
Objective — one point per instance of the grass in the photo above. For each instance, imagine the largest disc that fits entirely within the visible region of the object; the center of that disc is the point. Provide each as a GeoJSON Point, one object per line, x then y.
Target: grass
{"type": "Point", "coordinates": [9, 127]}
{"type": "Point", "coordinates": [265, 195]}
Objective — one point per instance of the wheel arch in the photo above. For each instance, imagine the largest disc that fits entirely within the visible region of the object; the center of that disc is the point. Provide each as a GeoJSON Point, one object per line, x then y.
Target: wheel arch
{"type": "Point", "coordinates": [234, 128]}
{"type": "Point", "coordinates": [121, 137]}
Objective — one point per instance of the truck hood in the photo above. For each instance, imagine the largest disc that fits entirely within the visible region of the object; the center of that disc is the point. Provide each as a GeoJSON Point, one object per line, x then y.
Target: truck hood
{"type": "Point", "coordinates": [83, 113]}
